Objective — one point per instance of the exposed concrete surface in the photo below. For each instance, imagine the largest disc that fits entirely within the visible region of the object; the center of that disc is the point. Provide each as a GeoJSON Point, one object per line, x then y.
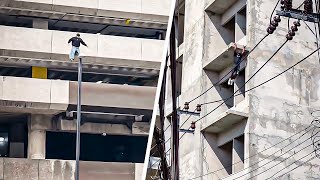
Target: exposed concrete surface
{"type": "Point", "coordinates": [103, 49]}
{"type": "Point", "coordinates": [275, 110]}
{"type": "Point", "coordinates": [26, 169]}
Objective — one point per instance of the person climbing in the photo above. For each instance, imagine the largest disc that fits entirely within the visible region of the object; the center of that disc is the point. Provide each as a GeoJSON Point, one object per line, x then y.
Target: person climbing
{"type": "Point", "coordinates": [238, 53]}
{"type": "Point", "coordinates": [75, 50]}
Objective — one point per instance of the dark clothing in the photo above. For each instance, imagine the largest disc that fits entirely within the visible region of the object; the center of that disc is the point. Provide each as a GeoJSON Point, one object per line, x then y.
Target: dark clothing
{"type": "Point", "coordinates": [237, 61]}
{"type": "Point", "coordinates": [76, 41]}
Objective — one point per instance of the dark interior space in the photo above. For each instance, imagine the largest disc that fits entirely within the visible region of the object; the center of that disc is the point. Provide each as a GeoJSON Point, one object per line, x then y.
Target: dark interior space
{"type": "Point", "coordinates": [109, 148]}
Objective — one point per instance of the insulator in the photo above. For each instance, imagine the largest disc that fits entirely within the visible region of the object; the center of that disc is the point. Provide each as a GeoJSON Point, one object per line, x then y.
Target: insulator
{"type": "Point", "coordinates": [294, 28]}
{"type": "Point", "coordinates": [270, 31]}
{"type": "Point", "coordinates": [272, 27]}
{"type": "Point", "coordinates": [308, 6]}
{"type": "Point", "coordinates": [277, 19]}
{"type": "Point", "coordinates": [199, 107]}
{"type": "Point", "coordinates": [282, 2]}
{"type": "Point", "coordinates": [274, 23]}
{"type": "Point", "coordinates": [291, 33]}
{"type": "Point", "coordinates": [287, 4]}
{"type": "Point", "coordinates": [289, 37]}
{"type": "Point", "coordinates": [297, 23]}
{"type": "Point", "coordinates": [186, 106]}
{"type": "Point", "coordinates": [193, 125]}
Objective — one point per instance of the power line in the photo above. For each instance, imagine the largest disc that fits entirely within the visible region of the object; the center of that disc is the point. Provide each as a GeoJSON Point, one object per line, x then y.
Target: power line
{"type": "Point", "coordinates": [241, 59]}
{"type": "Point", "coordinates": [296, 167]}
{"type": "Point", "coordinates": [287, 166]}
{"type": "Point", "coordinates": [245, 82]}
{"type": "Point", "coordinates": [260, 166]}
{"type": "Point", "coordinates": [305, 129]}
{"type": "Point", "coordinates": [230, 70]}
{"type": "Point", "coordinates": [268, 79]}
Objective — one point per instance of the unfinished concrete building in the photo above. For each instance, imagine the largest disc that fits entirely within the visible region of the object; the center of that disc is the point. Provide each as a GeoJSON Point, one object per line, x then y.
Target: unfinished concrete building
{"type": "Point", "coordinates": [262, 132]}
{"type": "Point", "coordinates": [38, 88]}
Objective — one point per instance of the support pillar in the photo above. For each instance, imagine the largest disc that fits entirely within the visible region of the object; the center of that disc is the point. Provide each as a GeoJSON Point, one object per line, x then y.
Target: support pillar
{"type": "Point", "coordinates": [37, 126]}
{"type": "Point", "coordinates": [37, 144]}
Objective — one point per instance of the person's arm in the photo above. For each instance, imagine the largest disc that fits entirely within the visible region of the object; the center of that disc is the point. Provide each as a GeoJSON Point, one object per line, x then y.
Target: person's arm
{"type": "Point", "coordinates": [70, 40]}
{"type": "Point", "coordinates": [83, 43]}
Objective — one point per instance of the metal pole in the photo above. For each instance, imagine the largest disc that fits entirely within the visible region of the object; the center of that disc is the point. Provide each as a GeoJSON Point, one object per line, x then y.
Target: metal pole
{"type": "Point", "coordinates": [78, 117]}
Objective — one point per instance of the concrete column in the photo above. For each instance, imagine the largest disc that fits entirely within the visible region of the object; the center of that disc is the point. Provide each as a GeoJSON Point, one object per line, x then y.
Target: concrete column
{"type": "Point", "coordinates": [40, 24]}
{"type": "Point", "coordinates": [37, 144]}
{"type": "Point", "coordinates": [37, 126]}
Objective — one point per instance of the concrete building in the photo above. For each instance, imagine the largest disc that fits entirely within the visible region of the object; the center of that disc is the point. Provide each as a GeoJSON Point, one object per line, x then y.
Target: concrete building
{"type": "Point", "coordinates": [258, 132]}
{"type": "Point", "coordinates": [38, 88]}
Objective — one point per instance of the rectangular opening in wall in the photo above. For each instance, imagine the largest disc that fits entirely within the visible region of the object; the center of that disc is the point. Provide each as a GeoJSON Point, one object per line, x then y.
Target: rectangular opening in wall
{"type": "Point", "coordinates": [95, 147]}
{"type": "Point", "coordinates": [225, 91]}
{"type": "Point", "coordinates": [229, 28]}
{"type": "Point", "coordinates": [226, 156]}
{"type": "Point", "coordinates": [238, 154]}
{"type": "Point", "coordinates": [241, 26]}
{"type": "Point", "coordinates": [181, 17]}
{"type": "Point", "coordinates": [239, 82]}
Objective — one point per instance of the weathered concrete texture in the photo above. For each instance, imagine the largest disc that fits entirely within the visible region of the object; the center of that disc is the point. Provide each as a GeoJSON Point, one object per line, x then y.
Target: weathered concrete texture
{"type": "Point", "coordinates": [1, 168]}
{"type": "Point", "coordinates": [26, 169]}
{"type": "Point", "coordinates": [36, 144]}
{"type": "Point", "coordinates": [20, 169]}
{"type": "Point", "coordinates": [275, 110]}
{"type": "Point", "coordinates": [56, 170]}
{"type": "Point", "coordinates": [52, 45]}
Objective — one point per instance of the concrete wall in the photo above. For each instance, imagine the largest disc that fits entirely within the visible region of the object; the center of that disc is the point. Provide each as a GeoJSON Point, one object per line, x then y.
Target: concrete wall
{"type": "Point", "coordinates": [157, 10]}
{"type": "Point", "coordinates": [103, 49]}
{"type": "Point", "coordinates": [22, 169]}
{"type": "Point", "coordinates": [276, 110]}
{"type": "Point", "coordinates": [51, 96]}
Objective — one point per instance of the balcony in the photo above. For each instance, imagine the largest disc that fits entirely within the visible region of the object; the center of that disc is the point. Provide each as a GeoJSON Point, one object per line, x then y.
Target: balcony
{"type": "Point", "coordinates": [20, 169]}
{"type": "Point", "coordinates": [224, 121]}
{"type": "Point", "coordinates": [143, 13]}
{"type": "Point", "coordinates": [28, 46]}
{"type": "Point", "coordinates": [29, 95]}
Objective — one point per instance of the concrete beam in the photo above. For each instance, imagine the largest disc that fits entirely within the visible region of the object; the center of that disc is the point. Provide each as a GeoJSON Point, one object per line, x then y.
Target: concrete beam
{"type": "Point", "coordinates": [116, 96]}
{"type": "Point", "coordinates": [127, 9]}
{"type": "Point", "coordinates": [28, 95]}
{"type": "Point", "coordinates": [224, 121]}
{"type": "Point", "coordinates": [219, 6]}
{"type": "Point", "coordinates": [43, 96]}
{"type": "Point", "coordinates": [52, 46]}
{"type": "Point", "coordinates": [141, 128]}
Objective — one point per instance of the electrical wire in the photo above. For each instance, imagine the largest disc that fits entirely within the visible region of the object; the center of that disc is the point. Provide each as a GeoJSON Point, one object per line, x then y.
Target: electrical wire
{"type": "Point", "coordinates": [260, 166]}
{"type": "Point", "coordinates": [245, 82]}
{"type": "Point", "coordinates": [215, 84]}
{"type": "Point", "coordinates": [240, 60]}
{"type": "Point", "coordinates": [296, 167]}
{"type": "Point", "coordinates": [284, 140]}
{"type": "Point", "coordinates": [286, 166]}
{"type": "Point", "coordinates": [268, 79]}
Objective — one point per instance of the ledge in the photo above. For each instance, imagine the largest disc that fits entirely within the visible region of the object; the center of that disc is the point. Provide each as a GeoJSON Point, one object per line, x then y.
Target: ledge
{"type": "Point", "coordinates": [219, 6]}
{"type": "Point", "coordinates": [224, 121]}
{"type": "Point", "coordinates": [222, 61]}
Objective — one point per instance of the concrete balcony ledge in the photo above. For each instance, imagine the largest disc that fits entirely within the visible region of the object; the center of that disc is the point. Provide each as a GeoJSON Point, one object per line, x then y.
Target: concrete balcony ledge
{"type": "Point", "coordinates": [156, 10]}
{"type": "Point", "coordinates": [222, 60]}
{"type": "Point", "coordinates": [224, 121]}
{"type": "Point", "coordinates": [52, 46]}
{"type": "Point", "coordinates": [29, 95]}
{"type": "Point", "coordinates": [219, 6]}
{"type": "Point", "coordinates": [22, 169]}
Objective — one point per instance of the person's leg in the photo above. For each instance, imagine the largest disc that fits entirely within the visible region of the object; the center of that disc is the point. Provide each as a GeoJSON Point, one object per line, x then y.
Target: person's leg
{"type": "Point", "coordinates": [78, 51]}
{"type": "Point", "coordinates": [71, 55]}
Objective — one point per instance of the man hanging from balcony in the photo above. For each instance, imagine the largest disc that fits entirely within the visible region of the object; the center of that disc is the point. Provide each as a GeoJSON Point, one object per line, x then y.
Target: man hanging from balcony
{"type": "Point", "coordinates": [238, 53]}
{"type": "Point", "coordinates": [76, 41]}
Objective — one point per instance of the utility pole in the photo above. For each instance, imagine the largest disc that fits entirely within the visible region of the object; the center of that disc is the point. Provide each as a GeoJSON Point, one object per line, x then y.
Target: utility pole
{"type": "Point", "coordinates": [175, 123]}
{"type": "Point", "coordinates": [78, 117]}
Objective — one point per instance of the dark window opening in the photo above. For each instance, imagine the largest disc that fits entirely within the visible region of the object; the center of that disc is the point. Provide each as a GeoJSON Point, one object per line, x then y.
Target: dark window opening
{"type": "Point", "coordinates": [110, 148]}
{"type": "Point", "coordinates": [226, 156]}
{"type": "Point", "coordinates": [180, 23]}
{"type": "Point", "coordinates": [83, 27]}
{"type": "Point", "coordinates": [225, 92]}
{"type": "Point", "coordinates": [230, 31]}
